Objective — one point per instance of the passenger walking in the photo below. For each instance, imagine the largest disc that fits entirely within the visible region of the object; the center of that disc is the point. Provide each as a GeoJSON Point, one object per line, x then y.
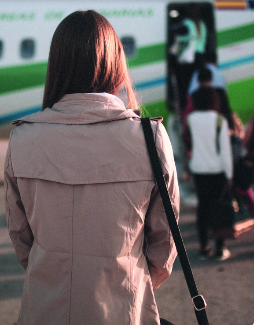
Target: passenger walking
{"type": "Point", "coordinates": [204, 80]}
{"type": "Point", "coordinates": [83, 210]}
{"type": "Point", "coordinates": [236, 128]}
{"type": "Point", "coordinates": [189, 48]}
{"type": "Point", "coordinates": [211, 168]}
{"type": "Point", "coordinates": [248, 141]}
{"type": "Point", "coordinates": [217, 78]}
{"type": "Point", "coordinates": [244, 171]}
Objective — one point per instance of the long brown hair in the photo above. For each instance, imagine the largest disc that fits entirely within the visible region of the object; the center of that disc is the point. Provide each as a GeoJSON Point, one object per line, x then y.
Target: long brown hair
{"type": "Point", "coordinates": [86, 56]}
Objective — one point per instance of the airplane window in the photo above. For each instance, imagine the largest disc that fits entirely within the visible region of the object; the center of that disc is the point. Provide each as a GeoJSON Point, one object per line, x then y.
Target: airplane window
{"type": "Point", "coordinates": [129, 46]}
{"type": "Point", "coordinates": [1, 48]}
{"type": "Point", "coordinates": [27, 48]}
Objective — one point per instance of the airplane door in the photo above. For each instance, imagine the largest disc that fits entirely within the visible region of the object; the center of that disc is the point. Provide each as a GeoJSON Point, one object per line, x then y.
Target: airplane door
{"type": "Point", "coordinates": [178, 78]}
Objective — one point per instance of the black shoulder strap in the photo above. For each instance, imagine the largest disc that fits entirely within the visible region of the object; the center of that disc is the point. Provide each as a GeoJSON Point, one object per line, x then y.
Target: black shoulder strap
{"type": "Point", "coordinates": [218, 128]}
{"type": "Point", "coordinates": [198, 300]}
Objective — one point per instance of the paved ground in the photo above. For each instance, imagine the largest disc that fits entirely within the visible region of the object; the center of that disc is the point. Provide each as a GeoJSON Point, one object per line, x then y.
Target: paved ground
{"type": "Point", "coordinates": [228, 286]}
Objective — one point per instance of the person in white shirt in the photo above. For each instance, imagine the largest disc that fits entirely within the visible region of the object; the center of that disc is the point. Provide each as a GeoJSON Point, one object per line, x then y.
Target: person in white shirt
{"type": "Point", "coordinates": [210, 164]}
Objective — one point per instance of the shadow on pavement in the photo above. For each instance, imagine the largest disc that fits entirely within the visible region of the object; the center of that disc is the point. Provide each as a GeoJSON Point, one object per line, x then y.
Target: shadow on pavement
{"type": "Point", "coordinates": [11, 289]}
{"type": "Point", "coordinates": [3, 223]}
{"type": "Point", "coordinates": [9, 265]}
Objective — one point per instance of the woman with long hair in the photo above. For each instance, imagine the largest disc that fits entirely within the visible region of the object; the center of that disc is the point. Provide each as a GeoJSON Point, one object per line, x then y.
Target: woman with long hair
{"type": "Point", "coordinates": [83, 210]}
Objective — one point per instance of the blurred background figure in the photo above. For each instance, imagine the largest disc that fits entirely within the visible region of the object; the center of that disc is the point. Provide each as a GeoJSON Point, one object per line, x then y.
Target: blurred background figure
{"type": "Point", "coordinates": [204, 80]}
{"type": "Point", "coordinates": [212, 169]}
{"type": "Point", "coordinates": [189, 48]}
{"type": "Point", "coordinates": [249, 138]}
{"type": "Point", "coordinates": [217, 78]}
{"type": "Point", "coordinates": [244, 167]}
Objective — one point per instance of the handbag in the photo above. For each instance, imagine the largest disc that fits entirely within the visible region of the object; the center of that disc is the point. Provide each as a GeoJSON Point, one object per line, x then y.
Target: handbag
{"type": "Point", "coordinates": [231, 216]}
{"type": "Point", "coordinates": [237, 147]}
{"type": "Point", "coordinates": [244, 172]}
{"type": "Point", "coordinates": [197, 299]}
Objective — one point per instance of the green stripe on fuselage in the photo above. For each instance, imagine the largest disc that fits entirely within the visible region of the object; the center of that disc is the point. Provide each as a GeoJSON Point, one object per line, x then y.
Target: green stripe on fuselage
{"type": "Point", "coordinates": [237, 34]}
{"type": "Point", "coordinates": [27, 76]}
{"type": "Point", "coordinates": [148, 54]}
{"type": "Point", "coordinates": [240, 94]}
{"type": "Point", "coordinates": [158, 108]}
{"type": "Point", "coordinates": [155, 53]}
{"type": "Point", "coordinates": [22, 77]}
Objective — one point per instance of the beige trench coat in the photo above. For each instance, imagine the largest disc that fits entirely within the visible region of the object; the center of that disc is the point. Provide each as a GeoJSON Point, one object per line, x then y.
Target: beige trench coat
{"type": "Point", "coordinates": [85, 216]}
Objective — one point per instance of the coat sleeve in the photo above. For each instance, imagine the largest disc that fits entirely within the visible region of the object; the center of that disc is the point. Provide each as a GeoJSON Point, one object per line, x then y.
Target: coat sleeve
{"type": "Point", "coordinates": [18, 226]}
{"type": "Point", "coordinates": [160, 249]}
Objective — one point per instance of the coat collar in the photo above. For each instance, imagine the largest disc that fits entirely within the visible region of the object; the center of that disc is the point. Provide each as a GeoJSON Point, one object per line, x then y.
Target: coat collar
{"type": "Point", "coordinates": [82, 109]}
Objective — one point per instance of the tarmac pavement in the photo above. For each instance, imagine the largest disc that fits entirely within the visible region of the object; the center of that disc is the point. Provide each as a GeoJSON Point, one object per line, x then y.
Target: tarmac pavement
{"type": "Point", "coordinates": [227, 286]}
